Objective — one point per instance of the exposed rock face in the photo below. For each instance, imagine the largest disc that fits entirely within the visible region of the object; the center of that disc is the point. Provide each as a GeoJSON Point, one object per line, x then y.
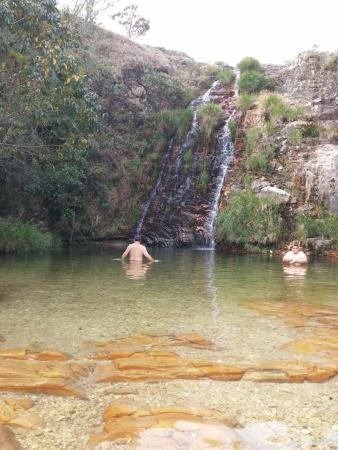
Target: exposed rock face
{"type": "Point", "coordinates": [321, 177]}
{"type": "Point", "coordinates": [310, 81]}
{"type": "Point", "coordinates": [180, 210]}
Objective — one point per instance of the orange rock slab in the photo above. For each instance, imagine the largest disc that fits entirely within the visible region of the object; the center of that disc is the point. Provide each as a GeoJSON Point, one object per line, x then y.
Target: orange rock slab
{"type": "Point", "coordinates": [291, 372]}
{"type": "Point", "coordinates": [127, 421]}
{"type": "Point", "coordinates": [127, 346]}
{"type": "Point", "coordinates": [154, 365]}
{"type": "Point", "coordinates": [15, 412]}
{"type": "Point", "coordinates": [59, 378]}
{"type": "Point", "coordinates": [26, 353]}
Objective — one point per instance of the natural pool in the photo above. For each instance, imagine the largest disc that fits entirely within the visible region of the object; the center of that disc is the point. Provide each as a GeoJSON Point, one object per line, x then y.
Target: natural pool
{"type": "Point", "coordinates": [59, 301]}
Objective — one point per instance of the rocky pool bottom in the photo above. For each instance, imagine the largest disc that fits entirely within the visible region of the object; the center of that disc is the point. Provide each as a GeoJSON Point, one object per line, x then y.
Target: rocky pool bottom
{"type": "Point", "coordinates": [199, 351]}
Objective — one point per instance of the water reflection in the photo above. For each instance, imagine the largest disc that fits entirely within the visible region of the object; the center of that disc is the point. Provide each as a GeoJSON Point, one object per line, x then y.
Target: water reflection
{"type": "Point", "coordinates": [295, 272]}
{"type": "Point", "coordinates": [136, 270]}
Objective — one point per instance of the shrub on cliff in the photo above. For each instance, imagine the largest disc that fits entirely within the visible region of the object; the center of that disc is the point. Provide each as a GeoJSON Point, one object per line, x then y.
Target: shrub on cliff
{"type": "Point", "coordinates": [18, 237]}
{"type": "Point", "coordinates": [251, 81]}
{"type": "Point", "coordinates": [170, 121]}
{"type": "Point", "coordinates": [245, 101]}
{"type": "Point", "coordinates": [226, 76]}
{"type": "Point", "coordinates": [249, 219]}
{"type": "Point", "coordinates": [249, 63]}
{"type": "Point", "coordinates": [209, 117]}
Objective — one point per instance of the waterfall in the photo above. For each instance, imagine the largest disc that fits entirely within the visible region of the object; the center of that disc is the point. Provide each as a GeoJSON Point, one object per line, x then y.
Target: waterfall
{"type": "Point", "coordinates": [226, 154]}
{"type": "Point", "coordinates": [181, 210]}
{"type": "Point", "coordinates": [164, 164]}
{"type": "Point", "coordinates": [188, 142]}
{"type": "Point", "coordinates": [226, 148]}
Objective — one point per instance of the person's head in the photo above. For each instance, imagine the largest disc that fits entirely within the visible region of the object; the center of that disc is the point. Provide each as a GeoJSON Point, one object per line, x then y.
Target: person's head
{"type": "Point", "coordinates": [137, 238]}
{"type": "Point", "coordinates": [295, 248]}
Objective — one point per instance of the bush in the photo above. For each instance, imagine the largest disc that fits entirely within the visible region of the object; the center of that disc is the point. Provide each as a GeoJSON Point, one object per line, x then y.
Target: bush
{"type": "Point", "coordinates": [226, 76]}
{"type": "Point", "coordinates": [249, 219]}
{"type": "Point", "coordinates": [311, 130]}
{"type": "Point", "coordinates": [251, 81]}
{"type": "Point", "coordinates": [18, 237]}
{"type": "Point", "coordinates": [296, 136]}
{"type": "Point", "coordinates": [245, 101]}
{"type": "Point", "coordinates": [249, 63]}
{"type": "Point", "coordinates": [171, 121]}
{"type": "Point", "coordinates": [259, 162]}
{"type": "Point", "coordinates": [325, 225]}
{"type": "Point", "coordinates": [209, 117]}
{"type": "Point", "coordinates": [274, 106]}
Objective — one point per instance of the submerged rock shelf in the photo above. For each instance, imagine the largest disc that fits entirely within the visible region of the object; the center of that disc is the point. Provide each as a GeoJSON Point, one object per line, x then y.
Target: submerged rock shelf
{"type": "Point", "coordinates": [148, 358]}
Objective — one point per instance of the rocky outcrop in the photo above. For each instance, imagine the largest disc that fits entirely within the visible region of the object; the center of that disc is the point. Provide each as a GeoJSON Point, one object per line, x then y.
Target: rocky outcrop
{"type": "Point", "coordinates": [179, 214]}
{"type": "Point", "coordinates": [321, 177]}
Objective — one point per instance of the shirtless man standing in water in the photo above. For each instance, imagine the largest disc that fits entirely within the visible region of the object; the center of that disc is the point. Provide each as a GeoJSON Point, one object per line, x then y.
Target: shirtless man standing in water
{"type": "Point", "coordinates": [295, 256]}
{"type": "Point", "coordinates": [136, 251]}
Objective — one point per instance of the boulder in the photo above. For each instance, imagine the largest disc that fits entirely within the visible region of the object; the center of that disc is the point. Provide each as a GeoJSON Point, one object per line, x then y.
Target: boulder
{"type": "Point", "coordinates": [279, 195]}
{"type": "Point", "coordinates": [258, 185]}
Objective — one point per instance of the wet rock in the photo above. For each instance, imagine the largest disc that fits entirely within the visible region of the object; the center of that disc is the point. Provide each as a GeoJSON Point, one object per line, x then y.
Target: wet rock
{"type": "Point", "coordinates": [8, 440]}
{"type": "Point", "coordinates": [319, 245]}
{"type": "Point", "coordinates": [26, 353]}
{"type": "Point", "coordinates": [55, 377]}
{"type": "Point", "coordinates": [126, 346]}
{"type": "Point", "coordinates": [129, 421]}
{"type": "Point", "coordinates": [160, 365]}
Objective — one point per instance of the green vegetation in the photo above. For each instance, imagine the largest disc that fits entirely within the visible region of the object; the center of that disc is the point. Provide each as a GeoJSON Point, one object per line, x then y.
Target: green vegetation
{"type": "Point", "coordinates": [249, 63]}
{"type": "Point", "coordinates": [258, 162]}
{"type": "Point", "coordinates": [203, 179]}
{"type": "Point", "coordinates": [324, 225]}
{"type": "Point", "coordinates": [252, 81]}
{"type": "Point", "coordinates": [226, 76]}
{"type": "Point", "coordinates": [249, 219]}
{"type": "Point", "coordinates": [187, 160]}
{"type": "Point", "coordinates": [18, 237]}
{"type": "Point", "coordinates": [245, 101]}
{"type": "Point", "coordinates": [295, 136]}
{"type": "Point", "coordinates": [252, 138]}
{"type": "Point", "coordinates": [170, 121]}
{"type": "Point", "coordinates": [232, 127]}
{"type": "Point", "coordinates": [209, 117]}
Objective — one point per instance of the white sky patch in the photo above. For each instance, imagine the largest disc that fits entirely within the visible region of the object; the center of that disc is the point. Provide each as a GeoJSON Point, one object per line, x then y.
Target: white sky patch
{"type": "Point", "coordinates": [212, 30]}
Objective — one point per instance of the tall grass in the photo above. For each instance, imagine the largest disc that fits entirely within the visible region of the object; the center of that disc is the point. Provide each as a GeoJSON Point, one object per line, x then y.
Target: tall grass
{"type": "Point", "coordinates": [249, 219]}
{"type": "Point", "coordinates": [18, 237]}
{"type": "Point", "coordinates": [209, 117]}
{"type": "Point", "coordinates": [324, 225]}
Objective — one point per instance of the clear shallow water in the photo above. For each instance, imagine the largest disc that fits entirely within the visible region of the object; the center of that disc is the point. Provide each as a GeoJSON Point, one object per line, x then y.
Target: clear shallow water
{"type": "Point", "coordinates": [59, 301]}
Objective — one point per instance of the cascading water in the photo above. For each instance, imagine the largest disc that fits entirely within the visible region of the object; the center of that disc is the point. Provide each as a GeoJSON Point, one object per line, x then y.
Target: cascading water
{"type": "Point", "coordinates": [226, 153]}
{"type": "Point", "coordinates": [182, 206]}
{"type": "Point", "coordinates": [187, 143]}
{"type": "Point", "coordinates": [156, 187]}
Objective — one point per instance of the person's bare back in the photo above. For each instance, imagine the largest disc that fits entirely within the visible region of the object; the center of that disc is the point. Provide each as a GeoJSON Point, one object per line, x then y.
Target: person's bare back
{"type": "Point", "coordinates": [136, 251]}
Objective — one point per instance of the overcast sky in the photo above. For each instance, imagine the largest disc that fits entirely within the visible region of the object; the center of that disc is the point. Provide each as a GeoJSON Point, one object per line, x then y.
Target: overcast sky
{"type": "Point", "coordinates": [211, 30]}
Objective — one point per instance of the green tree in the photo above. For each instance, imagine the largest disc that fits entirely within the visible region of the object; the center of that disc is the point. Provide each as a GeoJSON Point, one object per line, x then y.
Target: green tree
{"type": "Point", "coordinates": [46, 114]}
